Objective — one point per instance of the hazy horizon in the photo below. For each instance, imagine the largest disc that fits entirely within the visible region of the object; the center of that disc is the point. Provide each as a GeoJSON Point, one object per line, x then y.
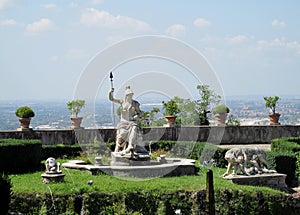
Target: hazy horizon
{"type": "Point", "coordinates": [251, 47]}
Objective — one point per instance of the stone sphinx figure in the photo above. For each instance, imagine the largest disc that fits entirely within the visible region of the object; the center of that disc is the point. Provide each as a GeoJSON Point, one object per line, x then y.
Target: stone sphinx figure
{"type": "Point", "coordinates": [247, 161]}
{"type": "Point", "coordinates": [128, 132]}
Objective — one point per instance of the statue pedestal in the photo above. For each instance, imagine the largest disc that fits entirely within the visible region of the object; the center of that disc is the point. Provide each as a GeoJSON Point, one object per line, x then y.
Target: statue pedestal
{"type": "Point", "coordinates": [118, 160]}
{"type": "Point", "coordinates": [53, 177]}
{"type": "Point", "coordinates": [274, 180]}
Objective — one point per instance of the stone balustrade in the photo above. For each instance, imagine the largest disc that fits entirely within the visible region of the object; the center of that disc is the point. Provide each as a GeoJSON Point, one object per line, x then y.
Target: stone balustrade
{"type": "Point", "coordinates": [259, 134]}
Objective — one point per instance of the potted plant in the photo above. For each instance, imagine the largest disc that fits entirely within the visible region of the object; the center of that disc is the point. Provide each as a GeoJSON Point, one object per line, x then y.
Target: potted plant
{"type": "Point", "coordinates": [25, 114]}
{"type": "Point", "coordinates": [75, 107]}
{"type": "Point", "coordinates": [220, 112]}
{"type": "Point", "coordinates": [170, 112]}
{"type": "Point", "coordinates": [271, 102]}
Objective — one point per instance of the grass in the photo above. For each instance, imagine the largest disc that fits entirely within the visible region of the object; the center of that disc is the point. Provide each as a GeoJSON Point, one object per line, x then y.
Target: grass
{"type": "Point", "coordinates": [76, 181]}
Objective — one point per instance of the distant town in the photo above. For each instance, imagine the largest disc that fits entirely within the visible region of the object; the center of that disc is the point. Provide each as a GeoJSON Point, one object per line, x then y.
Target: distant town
{"type": "Point", "coordinates": [54, 114]}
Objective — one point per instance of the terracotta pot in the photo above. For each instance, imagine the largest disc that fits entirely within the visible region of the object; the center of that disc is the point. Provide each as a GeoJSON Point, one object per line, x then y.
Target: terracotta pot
{"type": "Point", "coordinates": [24, 122]}
{"type": "Point", "coordinates": [221, 118]}
{"type": "Point", "coordinates": [171, 120]}
{"type": "Point", "coordinates": [76, 122]}
{"type": "Point", "coordinates": [274, 118]}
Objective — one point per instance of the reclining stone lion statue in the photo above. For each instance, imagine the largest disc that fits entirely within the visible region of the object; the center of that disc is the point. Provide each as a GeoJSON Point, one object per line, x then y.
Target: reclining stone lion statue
{"type": "Point", "coordinates": [246, 161]}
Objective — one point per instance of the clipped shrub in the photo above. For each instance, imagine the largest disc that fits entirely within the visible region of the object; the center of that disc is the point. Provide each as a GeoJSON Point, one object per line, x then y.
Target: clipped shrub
{"type": "Point", "coordinates": [289, 145]}
{"type": "Point", "coordinates": [5, 186]}
{"type": "Point", "coordinates": [60, 151]}
{"type": "Point", "coordinates": [24, 112]}
{"type": "Point", "coordinates": [240, 202]}
{"type": "Point", "coordinates": [220, 109]}
{"type": "Point", "coordinates": [142, 202]}
{"type": "Point", "coordinates": [284, 163]}
{"type": "Point", "coordinates": [20, 156]}
{"type": "Point", "coordinates": [155, 202]}
{"type": "Point", "coordinates": [286, 144]}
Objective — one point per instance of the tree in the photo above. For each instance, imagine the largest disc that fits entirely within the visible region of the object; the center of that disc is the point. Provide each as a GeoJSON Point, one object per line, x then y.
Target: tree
{"type": "Point", "coordinates": [75, 106]}
{"type": "Point", "coordinates": [202, 106]}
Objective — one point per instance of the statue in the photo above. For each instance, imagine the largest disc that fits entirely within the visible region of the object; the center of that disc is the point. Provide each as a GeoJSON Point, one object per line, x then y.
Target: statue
{"type": "Point", "coordinates": [247, 161]}
{"type": "Point", "coordinates": [128, 131]}
{"type": "Point", "coordinates": [53, 172]}
{"type": "Point", "coordinates": [52, 166]}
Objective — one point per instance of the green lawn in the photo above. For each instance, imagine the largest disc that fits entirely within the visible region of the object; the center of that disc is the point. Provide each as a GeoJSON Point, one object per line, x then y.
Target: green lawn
{"type": "Point", "coordinates": [77, 181]}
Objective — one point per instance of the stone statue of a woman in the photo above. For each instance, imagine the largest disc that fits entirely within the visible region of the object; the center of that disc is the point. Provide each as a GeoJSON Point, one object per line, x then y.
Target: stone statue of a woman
{"type": "Point", "coordinates": [127, 128]}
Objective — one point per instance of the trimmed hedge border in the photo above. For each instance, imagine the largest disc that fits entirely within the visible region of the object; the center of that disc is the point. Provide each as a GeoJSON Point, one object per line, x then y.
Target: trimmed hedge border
{"type": "Point", "coordinates": [154, 202]}
{"type": "Point", "coordinates": [284, 163]}
{"type": "Point", "coordinates": [286, 144]}
{"type": "Point", "coordinates": [289, 145]}
{"type": "Point", "coordinates": [60, 151]}
{"type": "Point", "coordinates": [20, 156]}
{"type": "Point", "coordinates": [5, 189]}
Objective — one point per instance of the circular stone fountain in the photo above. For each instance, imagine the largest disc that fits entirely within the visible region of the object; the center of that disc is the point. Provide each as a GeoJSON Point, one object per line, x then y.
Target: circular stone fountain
{"type": "Point", "coordinates": [139, 169]}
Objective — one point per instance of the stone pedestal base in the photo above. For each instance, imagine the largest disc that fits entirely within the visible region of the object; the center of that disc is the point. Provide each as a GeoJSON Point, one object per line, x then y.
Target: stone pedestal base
{"type": "Point", "coordinates": [59, 177]}
{"type": "Point", "coordinates": [118, 160]}
{"type": "Point", "coordinates": [274, 180]}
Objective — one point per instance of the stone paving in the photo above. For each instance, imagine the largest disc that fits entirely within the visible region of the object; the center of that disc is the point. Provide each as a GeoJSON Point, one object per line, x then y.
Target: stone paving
{"type": "Point", "coordinates": [266, 147]}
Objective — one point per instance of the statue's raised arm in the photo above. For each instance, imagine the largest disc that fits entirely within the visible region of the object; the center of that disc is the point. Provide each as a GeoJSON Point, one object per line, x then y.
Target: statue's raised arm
{"type": "Point", "coordinates": [111, 97]}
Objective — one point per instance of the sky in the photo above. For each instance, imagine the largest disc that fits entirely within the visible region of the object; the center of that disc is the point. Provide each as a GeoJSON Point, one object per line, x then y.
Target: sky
{"type": "Point", "coordinates": [253, 47]}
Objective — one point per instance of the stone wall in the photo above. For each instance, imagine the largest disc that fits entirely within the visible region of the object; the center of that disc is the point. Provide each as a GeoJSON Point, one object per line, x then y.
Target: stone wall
{"type": "Point", "coordinates": [227, 135]}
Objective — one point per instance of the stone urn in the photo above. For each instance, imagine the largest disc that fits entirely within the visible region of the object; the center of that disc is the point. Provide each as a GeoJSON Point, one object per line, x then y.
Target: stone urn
{"type": "Point", "coordinates": [221, 118]}
{"type": "Point", "coordinates": [76, 122]}
{"type": "Point", "coordinates": [274, 118]}
{"type": "Point", "coordinates": [171, 121]}
{"type": "Point", "coordinates": [24, 122]}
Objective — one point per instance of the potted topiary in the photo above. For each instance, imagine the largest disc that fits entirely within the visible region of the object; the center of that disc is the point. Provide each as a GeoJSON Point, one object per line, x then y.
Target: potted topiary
{"type": "Point", "coordinates": [220, 112]}
{"type": "Point", "coordinates": [170, 112]}
{"type": "Point", "coordinates": [75, 107]}
{"type": "Point", "coordinates": [25, 114]}
{"type": "Point", "coordinates": [271, 102]}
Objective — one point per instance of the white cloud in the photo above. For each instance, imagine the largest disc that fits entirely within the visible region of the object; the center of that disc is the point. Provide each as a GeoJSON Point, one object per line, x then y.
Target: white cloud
{"type": "Point", "coordinates": [93, 17]}
{"type": "Point", "coordinates": [49, 6]}
{"type": "Point", "coordinates": [176, 30]}
{"type": "Point", "coordinates": [5, 4]}
{"type": "Point", "coordinates": [38, 27]}
{"type": "Point", "coordinates": [281, 43]}
{"type": "Point", "coordinates": [8, 22]}
{"type": "Point", "coordinates": [237, 39]}
{"type": "Point", "coordinates": [200, 22]}
{"type": "Point", "coordinates": [279, 24]}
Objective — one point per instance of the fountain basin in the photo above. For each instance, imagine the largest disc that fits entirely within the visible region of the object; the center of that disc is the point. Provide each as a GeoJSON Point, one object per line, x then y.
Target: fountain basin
{"type": "Point", "coordinates": [149, 169]}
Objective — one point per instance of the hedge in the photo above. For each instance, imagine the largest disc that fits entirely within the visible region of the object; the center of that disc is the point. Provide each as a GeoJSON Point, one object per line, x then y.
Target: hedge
{"type": "Point", "coordinates": [286, 144]}
{"type": "Point", "coordinates": [154, 202]}
{"type": "Point", "coordinates": [60, 151]}
{"type": "Point", "coordinates": [290, 145]}
{"type": "Point", "coordinates": [5, 189]}
{"type": "Point", "coordinates": [20, 156]}
{"type": "Point", "coordinates": [284, 163]}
